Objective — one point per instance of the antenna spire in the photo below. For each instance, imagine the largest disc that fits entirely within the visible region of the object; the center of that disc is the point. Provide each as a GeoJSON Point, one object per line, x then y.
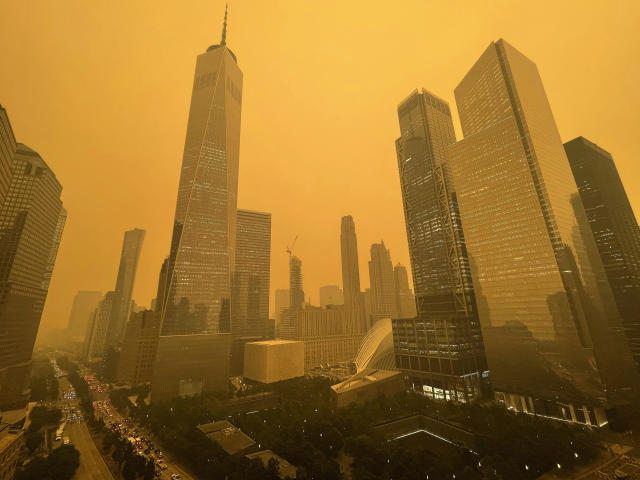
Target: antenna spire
{"type": "Point", "coordinates": [224, 26]}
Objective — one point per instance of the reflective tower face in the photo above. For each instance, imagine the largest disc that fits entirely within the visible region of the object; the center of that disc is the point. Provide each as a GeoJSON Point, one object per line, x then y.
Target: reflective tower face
{"type": "Point", "coordinates": [614, 228]}
{"type": "Point", "coordinates": [250, 296]}
{"type": "Point", "coordinates": [441, 350]}
{"type": "Point", "coordinates": [121, 304]}
{"type": "Point", "coordinates": [383, 304]}
{"type": "Point", "coordinates": [7, 151]}
{"type": "Point", "coordinates": [197, 294]}
{"type": "Point", "coordinates": [30, 230]}
{"type": "Point", "coordinates": [350, 265]}
{"type": "Point", "coordinates": [547, 315]}
{"type": "Point", "coordinates": [296, 293]}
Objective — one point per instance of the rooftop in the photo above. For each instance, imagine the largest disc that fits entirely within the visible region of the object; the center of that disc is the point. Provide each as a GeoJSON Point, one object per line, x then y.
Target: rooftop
{"type": "Point", "coordinates": [228, 436]}
{"type": "Point", "coordinates": [285, 469]}
{"type": "Point", "coordinates": [364, 378]}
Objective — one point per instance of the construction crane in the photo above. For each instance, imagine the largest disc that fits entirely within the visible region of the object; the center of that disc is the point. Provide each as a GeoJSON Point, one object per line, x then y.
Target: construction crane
{"type": "Point", "coordinates": [290, 250]}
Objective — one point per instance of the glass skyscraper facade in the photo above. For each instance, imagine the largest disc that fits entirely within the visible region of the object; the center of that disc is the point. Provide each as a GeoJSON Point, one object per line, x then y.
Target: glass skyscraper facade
{"type": "Point", "coordinates": [121, 305]}
{"type": "Point", "coordinates": [614, 228]}
{"type": "Point", "coordinates": [551, 331]}
{"type": "Point", "coordinates": [350, 265]}
{"type": "Point", "coordinates": [195, 307]}
{"type": "Point", "coordinates": [31, 224]}
{"type": "Point", "coordinates": [250, 293]}
{"type": "Point", "coordinates": [440, 351]}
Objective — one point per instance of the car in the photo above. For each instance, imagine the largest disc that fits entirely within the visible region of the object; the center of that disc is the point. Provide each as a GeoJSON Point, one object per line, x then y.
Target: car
{"type": "Point", "coordinates": [163, 466]}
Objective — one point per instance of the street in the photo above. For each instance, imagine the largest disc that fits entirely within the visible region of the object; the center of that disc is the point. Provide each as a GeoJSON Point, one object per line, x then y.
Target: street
{"type": "Point", "coordinates": [92, 466]}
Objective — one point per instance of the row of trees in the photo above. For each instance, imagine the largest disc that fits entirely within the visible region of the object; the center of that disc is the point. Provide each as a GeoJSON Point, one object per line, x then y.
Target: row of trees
{"type": "Point", "coordinates": [43, 383]}
{"type": "Point", "coordinates": [61, 464]}
{"type": "Point", "coordinates": [40, 419]}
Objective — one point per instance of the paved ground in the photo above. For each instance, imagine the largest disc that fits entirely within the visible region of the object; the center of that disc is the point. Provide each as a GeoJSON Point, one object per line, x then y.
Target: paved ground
{"type": "Point", "coordinates": [92, 466]}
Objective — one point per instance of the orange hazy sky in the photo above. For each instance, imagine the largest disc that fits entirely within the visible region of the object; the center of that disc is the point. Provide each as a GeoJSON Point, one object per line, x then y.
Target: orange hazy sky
{"type": "Point", "coordinates": [101, 90]}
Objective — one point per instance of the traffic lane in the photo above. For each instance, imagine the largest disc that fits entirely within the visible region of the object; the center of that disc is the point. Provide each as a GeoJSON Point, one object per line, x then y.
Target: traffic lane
{"type": "Point", "coordinates": [92, 466]}
{"type": "Point", "coordinates": [169, 460]}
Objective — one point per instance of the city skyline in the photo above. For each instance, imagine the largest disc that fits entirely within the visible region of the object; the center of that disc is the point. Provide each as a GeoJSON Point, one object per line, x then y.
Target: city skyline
{"type": "Point", "coordinates": [162, 162]}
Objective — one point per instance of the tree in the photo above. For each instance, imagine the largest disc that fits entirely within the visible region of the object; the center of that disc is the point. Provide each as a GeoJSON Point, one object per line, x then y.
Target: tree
{"type": "Point", "coordinates": [63, 462]}
{"type": "Point", "coordinates": [33, 439]}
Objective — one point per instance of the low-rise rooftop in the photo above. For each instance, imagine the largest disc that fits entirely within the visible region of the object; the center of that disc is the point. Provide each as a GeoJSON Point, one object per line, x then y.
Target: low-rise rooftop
{"type": "Point", "coordinates": [229, 437]}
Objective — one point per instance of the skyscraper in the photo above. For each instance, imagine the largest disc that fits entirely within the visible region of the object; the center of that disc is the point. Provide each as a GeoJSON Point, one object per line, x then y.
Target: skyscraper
{"type": "Point", "coordinates": [197, 291]}
{"type": "Point", "coordinates": [331, 295]}
{"type": "Point", "coordinates": [296, 293]}
{"type": "Point", "coordinates": [405, 301]}
{"type": "Point", "coordinates": [551, 332]}
{"type": "Point", "coordinates": [95, 340]}
{"type": "Point", "coordinates": [250, 293]}
{"type": "Point", "coordinates": [614, 227]}
{"type": "Point", "coordinates": [121, 308]}
{"type": "Point", "coordinates": [383, 302]}
{"type": "Point", "coordinates": [84, 303]}
{"type": "Point", "coordinates": [30, 230]}
{"type": "Point", "coordinates": [350, 265]}
{"type": "Point", "coordinates": [281, 302]}
{"type": "Point", "coordinates": [139, 348]}
{"type": "Point", "coordinates": [7, 152]}
{"type": "Point", "coordinates": [440, 350]}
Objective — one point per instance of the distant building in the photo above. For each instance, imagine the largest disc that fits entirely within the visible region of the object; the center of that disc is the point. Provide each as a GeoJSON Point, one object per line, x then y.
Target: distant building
{"type": "Point", "coordinates": [405, 301]}
{"type": "Point", "coordinates": [84, 304]}
{"type": "Point", "coordinates": [7, 152]}
{"type": "Point", "coordinates": [30, 230]}
{"type": "Point", "coordinates": [614, 227]}
{"type": "Point", "coordinates": [250, 285]}
{"type": "Point", "coordinates": [273, 360]}
{"type": "Point", "coordinates": [282, 302]}
{"type": "Point", "coordinates": [383, 302]}
{"type": "Point", "coordinates": [139, 348]}
{"type": "Point", "coordinates": [350, 265]}
{"type": "Point", "coordinates": [331, 295]}
{"type": "Point", "coordinates": [296, 293]}
{"type": "Point", "coordinates": [367, 385]}
{"type": "Point", "coordinates": [188, 365]}
{"type": "Point", "coordinates": [122, 297]}
{"type": "Point", "coordinates": [330, 335]}
{"type": "Point", "coordinates": [95, 340]}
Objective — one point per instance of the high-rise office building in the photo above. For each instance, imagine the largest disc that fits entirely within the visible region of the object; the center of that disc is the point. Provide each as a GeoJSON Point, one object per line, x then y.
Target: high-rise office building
{"type": "Point", "coordinates": [139, 348]}
{"type": "Point", "coordinates": [55, 245]}
{"type": "Point", "coordinates": [296, 293]}
{"type": "Point", "coordinates": [7, 152]}
{"type": "Point", "coordinates": [121, 308]}
{"type": "Point", "coordinates": [331, 295]}
{"type": "Point", "coordinates": [95, 339]}
{"type": "Point", "coordinates": [350, 265]}
{"type": "Point", "coordinates": [250, 292]}
{"type": "Point", "coordinates": [405, 301]}
{"type": "Point", "coordinates": [29, 231]}
{"type": "Point", "coordinates": [614, 228]}
{"type": "Point", "coordinates": [440, 350]}
{"type": "Point", "coordinates": [197, 291]}
{"type": "Point", "coordinates": [84, 303]}
{"type": "Point", "coordinates": [383, 301]}
{"type": "Point", "coordinates": [551, 331]}
{"type": "Point", "coordinates": [281, 302]}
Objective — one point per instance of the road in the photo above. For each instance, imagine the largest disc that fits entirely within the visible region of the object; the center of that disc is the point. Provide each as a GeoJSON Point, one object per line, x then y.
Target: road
{"type": "Point", "coordinates": [92, 466]}
{"type": "Point", "coordinates": [172, 466]}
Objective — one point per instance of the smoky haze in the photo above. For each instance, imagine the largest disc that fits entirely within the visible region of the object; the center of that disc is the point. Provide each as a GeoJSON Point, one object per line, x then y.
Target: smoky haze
{"type": "Point", "coordinates": [101, 91]}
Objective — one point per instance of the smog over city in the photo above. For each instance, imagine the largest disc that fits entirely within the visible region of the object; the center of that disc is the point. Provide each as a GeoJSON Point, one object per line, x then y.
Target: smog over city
{"type": "Point", "coordinates": [330, 240]}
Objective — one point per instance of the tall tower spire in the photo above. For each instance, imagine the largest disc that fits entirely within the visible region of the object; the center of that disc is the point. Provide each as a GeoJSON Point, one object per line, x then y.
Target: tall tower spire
{"type": "Point", "coordinates": [224, 26]}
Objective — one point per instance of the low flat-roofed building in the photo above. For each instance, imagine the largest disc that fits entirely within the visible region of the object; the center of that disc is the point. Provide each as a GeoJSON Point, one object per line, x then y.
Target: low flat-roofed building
{"type": "Point", "coordinates": [11, 441]}
{"type": "Point", "coordinates": [367, 385]}
{"type": "Point", "coordinates": [271, 361]}
{"type": "Point", "coordinates": [229, 437]}
{"type": "Point", "coordinates": [285, 469]}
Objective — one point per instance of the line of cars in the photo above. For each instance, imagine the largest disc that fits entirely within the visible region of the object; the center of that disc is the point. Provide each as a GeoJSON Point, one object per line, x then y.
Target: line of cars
{"type": "Point", "coordinates": [129, 432]}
